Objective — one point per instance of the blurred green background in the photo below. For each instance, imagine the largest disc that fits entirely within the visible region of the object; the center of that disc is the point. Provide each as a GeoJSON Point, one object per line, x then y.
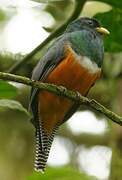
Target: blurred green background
{"type": "Point", "coordinates": [88, 146]}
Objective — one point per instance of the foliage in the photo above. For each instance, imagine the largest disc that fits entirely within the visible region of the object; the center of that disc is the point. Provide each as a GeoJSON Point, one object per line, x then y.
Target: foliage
{"type": "Point", "coordinates": [64, 173]}
{"type": "Point", "coordinates": [14, 105]}
{"type": "Point", "coordinates": [116, 4]}
{"type": "Point", "coordinates": [7, 90]}
{"type": "Point", "coordinates": [113, 21]}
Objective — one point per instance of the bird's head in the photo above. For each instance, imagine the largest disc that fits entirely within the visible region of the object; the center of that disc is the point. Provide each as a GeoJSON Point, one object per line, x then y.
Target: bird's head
{"type": "Point", "coordinates": [86, 23]}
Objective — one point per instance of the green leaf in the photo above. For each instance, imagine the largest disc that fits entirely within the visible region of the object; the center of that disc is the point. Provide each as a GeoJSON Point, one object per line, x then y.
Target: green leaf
{"type": "Point", "coordinates": [114, 3]}
{"type": "Point", "coordinates": [65, 173]}
{"type": "Point", "coordinates": [14, 105]}
{"type": "Point", "coordinates": [7, 90]}
{"type": "Point", "coordinates": [113, 22]}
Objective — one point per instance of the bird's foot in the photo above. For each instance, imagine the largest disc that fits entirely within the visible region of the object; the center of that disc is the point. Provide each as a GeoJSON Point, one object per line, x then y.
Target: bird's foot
{"type": "Point", "coordinates": [63, 89]}
{"type": "Point", "coordinates": [78, 95]}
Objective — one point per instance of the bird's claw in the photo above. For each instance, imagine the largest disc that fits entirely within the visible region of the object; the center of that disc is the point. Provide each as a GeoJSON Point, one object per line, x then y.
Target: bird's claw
{"type": "Point", "coordinates": [78, 96]}
{"type": "Point", "coordinates": [63, 89]}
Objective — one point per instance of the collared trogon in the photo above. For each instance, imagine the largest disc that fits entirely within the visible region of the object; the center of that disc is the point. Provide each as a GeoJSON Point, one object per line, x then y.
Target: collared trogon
{"type": "Point", "coordinates": [74, 60]}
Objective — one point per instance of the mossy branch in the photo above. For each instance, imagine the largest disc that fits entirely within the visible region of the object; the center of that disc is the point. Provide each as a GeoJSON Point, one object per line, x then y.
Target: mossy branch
{"type": "Point", "coordinates": [62, 91]}
{"type": "Point", "coordinates": [77, 10]}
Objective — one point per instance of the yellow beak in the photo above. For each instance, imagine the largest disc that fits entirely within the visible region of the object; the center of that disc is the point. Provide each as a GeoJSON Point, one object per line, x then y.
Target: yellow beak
{"type": "Point", "coordinates": [102, 30]}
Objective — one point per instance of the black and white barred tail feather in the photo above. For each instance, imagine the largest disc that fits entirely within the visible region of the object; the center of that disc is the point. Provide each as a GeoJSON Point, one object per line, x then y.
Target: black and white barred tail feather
{"type": "Point", "coordinates": [41, 148]}
{"type": "Point", "coordinates": [43, 145]}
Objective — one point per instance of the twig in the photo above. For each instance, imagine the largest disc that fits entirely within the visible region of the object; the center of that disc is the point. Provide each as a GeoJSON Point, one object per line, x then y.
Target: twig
{"type": "Point", "coordinates": [62, 91]}
{"type": "Point", "coordinates": [78, 7]}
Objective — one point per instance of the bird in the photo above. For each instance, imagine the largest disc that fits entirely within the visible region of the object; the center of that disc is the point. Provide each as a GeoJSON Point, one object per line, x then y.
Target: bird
{"type": "Point", "coordinates": [74, 60]}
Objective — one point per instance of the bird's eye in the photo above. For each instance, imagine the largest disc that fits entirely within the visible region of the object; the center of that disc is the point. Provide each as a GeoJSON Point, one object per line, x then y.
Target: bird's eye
{"type": "Point", "coordinates": [90, 23]}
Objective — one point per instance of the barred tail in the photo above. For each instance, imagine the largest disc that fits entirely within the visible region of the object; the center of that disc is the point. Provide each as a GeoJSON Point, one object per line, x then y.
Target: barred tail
{"type": "Point", "coordinates": [43, 145]}
{"type": "Point", "coordinates": [41, 154]}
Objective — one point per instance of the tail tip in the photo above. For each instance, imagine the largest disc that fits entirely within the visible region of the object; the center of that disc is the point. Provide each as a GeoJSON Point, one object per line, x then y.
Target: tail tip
{"type": "Point", "coordinates": [39, 169]}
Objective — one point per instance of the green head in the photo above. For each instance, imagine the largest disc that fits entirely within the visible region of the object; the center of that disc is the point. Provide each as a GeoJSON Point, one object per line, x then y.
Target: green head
{"type": "Point", "coordinates": [86, 23]}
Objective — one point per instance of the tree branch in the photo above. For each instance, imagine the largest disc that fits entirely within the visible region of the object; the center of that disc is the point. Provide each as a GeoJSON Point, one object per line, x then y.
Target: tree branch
{"type": "Point", "coordinates": [62, 91]}
{"type": "Point", "coordinates": [78, 7]}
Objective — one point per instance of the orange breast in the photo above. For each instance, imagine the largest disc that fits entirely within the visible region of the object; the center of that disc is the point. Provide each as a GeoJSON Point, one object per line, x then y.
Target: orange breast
{"type": "Point", "coordinates": [72, 75]}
